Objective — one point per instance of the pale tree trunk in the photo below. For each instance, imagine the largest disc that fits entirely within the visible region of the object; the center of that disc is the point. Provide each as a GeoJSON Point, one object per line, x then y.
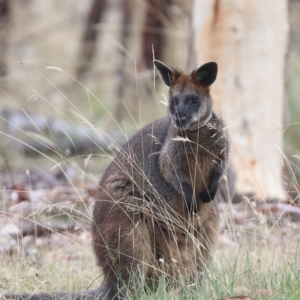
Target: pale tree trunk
{"type": "Point", "coordinates": [248, 40]}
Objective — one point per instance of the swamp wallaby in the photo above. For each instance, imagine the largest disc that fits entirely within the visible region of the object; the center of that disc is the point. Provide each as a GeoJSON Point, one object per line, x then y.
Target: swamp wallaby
{"type": "Point", "coordinates": [154, 216]}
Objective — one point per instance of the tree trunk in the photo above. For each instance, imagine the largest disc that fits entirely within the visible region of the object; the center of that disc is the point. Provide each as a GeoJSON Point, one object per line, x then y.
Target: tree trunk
{"type": "Point", "coordinates": [248, 40]}
{"type": "Point", "coordinates": [122, 76]}
{"type": "Point", "coordinates": [4, 29]}
{"type": "Point", "coordinates": [89, 38]}
{"type": "Point", "coordinates": [158, 11]}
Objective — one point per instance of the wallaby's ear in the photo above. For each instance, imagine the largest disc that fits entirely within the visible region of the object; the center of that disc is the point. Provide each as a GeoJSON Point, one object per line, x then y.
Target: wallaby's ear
{"type": "Point", "coordinates": [207, 73]}
{"type": "Point", "coordinates": [167, 74]}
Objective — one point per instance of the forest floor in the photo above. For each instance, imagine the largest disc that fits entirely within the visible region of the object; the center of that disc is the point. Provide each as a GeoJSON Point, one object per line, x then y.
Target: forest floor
{"type": "Point", "coordinates": [45, 238]}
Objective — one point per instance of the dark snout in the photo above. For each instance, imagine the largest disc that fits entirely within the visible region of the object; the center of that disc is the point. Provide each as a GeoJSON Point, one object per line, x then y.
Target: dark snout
{"type": "Point", "coordinates": [180, 121]}
{"type": "Point", "coordinates": [180, 115]}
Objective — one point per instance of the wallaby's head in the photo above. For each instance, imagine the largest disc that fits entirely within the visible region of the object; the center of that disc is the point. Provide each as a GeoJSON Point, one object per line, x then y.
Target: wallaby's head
{"type": "Point", "coordinates": [190, 104]}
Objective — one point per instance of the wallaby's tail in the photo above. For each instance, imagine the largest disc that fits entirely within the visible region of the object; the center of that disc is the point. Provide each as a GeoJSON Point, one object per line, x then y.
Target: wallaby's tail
{"type": "Point", "coordinates": [87, 295]}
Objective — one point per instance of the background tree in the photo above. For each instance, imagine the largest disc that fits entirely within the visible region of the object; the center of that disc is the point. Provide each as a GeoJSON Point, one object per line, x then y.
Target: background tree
{"type": "Point", "coordinates": [4, 26]}
{"type": "Point", "coordinates": [248, 39]}
{"type": "Point", "coordinates": [88, 46]}
{"type": "Point", "coordinates": [157, 12]}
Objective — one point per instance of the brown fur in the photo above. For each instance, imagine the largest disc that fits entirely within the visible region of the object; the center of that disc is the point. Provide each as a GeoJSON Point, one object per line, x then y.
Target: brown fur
{"type": "Point", "coordinates": [142, 228]}
{"type": "Point", "coordinates": [154, 215]}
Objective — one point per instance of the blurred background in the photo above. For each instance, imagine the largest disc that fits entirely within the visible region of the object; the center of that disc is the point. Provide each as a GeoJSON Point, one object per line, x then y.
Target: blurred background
{"type": "Point", "coordinates": [68, 63]}
{"type": "Point", "coordinates": [105, 51]}
{"type": "Point", "coordinates": [77, 80]}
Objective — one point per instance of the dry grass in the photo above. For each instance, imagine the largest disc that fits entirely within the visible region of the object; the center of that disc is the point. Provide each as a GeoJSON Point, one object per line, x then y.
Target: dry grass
{"type": "Point", "coordinates": [64, 262]}
{"type": "Point", "coordinates": [51, 263]}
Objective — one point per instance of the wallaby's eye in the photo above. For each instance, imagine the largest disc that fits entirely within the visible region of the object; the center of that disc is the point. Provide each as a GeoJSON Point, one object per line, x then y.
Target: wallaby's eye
{"type": "Point", "coordinates": [195, 101]}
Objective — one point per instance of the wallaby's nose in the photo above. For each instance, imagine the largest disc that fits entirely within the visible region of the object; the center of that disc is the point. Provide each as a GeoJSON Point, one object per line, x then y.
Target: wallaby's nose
{"type": "Point", "coordinates": [180, 121]}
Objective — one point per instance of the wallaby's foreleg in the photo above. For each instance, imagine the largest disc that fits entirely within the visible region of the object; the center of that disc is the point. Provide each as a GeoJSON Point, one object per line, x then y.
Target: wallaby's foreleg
{"type": "Point", "coordinates": [208, 194]}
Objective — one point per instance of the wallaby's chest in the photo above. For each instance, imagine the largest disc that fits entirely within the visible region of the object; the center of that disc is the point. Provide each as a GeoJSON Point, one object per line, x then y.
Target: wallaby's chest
{"type": "Point", "coordinates": [191, 156]}
{"type": "Point", "coordinates": [157, 161]}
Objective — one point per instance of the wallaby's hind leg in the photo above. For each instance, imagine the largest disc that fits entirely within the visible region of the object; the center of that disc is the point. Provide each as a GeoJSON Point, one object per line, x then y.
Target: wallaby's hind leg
{"type": "Point", "coordinates": [108, 290]}
{"type": "Point", "coordinates": [124, 247]}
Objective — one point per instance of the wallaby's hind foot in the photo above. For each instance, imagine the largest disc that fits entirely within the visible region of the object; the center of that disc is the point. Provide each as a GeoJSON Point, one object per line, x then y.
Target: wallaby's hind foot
{"type": "Point", "coordinates": [109, 290]}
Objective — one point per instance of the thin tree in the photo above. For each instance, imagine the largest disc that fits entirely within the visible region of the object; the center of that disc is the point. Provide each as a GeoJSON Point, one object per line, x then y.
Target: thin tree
{"type": "Point", "coordinates": [89, 37]}
{"type": "Point", "coordinates": [157, 12]}
{"type": "Point", "coordinates": [4, 33]}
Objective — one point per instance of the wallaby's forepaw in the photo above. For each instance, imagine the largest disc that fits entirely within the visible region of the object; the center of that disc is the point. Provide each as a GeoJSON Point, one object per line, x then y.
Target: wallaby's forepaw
{"type": "Point", "coordinates": [205, 196]}
{"type": "Point", "coordinates": [209, 193]}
